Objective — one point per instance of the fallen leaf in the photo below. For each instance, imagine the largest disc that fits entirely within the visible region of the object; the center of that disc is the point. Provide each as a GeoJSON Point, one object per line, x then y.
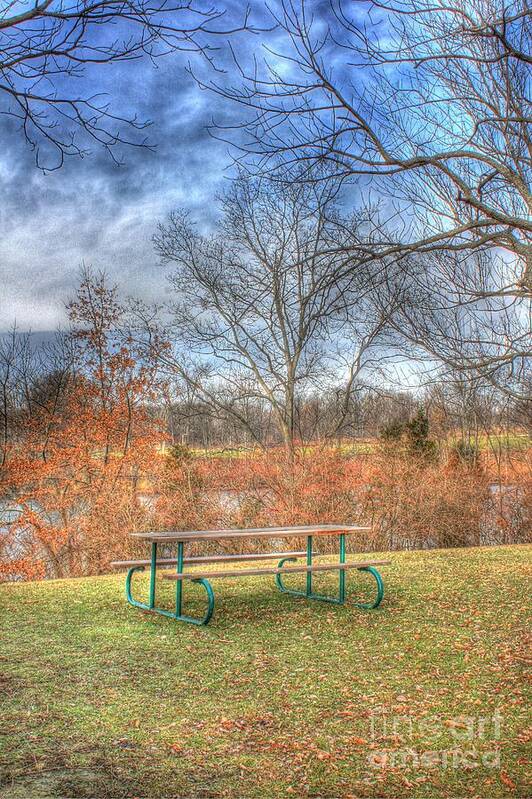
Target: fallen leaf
{"type": "Point", "coordinates": [507, 781]}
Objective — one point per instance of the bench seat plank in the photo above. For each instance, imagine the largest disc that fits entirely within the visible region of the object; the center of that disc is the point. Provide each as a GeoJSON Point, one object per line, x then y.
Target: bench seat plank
{"type": "Point", "coordinates": [126, 564]}
{"type": "Point", "coordinates": [271, 570]}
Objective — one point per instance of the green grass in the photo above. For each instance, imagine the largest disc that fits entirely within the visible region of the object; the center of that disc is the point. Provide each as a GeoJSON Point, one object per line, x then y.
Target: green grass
{"type": "Point", "coordinates": [494, 442]}
{"type": "Point", "coordinates": [278, 696]}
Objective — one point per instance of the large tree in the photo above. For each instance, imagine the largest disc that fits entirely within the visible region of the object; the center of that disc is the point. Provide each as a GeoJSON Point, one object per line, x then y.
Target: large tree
{"type": "Point", "coordinates": [262, 314]}
{"type": "Point", "coordinates": [427, 100]}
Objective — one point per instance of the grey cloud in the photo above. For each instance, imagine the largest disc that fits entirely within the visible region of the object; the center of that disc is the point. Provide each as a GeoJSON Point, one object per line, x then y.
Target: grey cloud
{"type": "Point", "coordinates": [104, 215]}
{"type": "Point", "coordinates": [96, 212]}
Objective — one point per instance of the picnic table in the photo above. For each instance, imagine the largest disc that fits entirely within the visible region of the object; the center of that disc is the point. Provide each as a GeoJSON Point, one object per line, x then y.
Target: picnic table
{"type": "Point", "coordinates": [202, 577]}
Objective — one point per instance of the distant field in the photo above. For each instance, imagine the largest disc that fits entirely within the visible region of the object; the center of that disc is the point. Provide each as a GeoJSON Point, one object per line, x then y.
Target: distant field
{"type": "Point", "coordinates": [279, 696]}
{"type": "Point", "coordinates": [485, 443]}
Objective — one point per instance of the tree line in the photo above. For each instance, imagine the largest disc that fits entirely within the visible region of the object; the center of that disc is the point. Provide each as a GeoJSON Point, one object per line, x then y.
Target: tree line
{"type": "Point", "coordinates": [224, 367]}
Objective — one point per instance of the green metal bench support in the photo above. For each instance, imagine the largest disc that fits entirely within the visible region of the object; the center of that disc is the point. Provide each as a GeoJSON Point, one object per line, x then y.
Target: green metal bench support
{"type": "Point", "coordinates": [177, 614]}
{"type": "Point", "coordinates": [337, 600]}
{"type": "Point", "coordinates": [309, 593]}
{"type": "Point", "coordinates": [380, 589]}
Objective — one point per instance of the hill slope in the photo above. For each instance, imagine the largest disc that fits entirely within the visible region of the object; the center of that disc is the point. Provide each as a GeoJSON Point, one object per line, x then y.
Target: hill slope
{"type": "Point", "coordinates": [278, 696]}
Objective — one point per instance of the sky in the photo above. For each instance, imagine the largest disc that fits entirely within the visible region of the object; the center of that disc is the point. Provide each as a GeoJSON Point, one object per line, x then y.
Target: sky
{"type": "Point", "coordinates": [94, 213]}
{"type": "Point", "coordinates": [91, 211]}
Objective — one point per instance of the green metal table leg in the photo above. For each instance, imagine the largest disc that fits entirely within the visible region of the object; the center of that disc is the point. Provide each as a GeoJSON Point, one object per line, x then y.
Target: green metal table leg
{"type": "Point", "coordinates": [341, 575]}
{"type": "Point", "coordinates": [153, 568]}
{"type": "Point", "coordinates": [179, 583]}
{"type": "Point", "coordinates": [309, 563]}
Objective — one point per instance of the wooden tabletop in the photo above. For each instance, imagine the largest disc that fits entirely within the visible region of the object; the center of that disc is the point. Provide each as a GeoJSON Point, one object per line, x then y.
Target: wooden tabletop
{"type": "Point", "coordinates": [258, 532]}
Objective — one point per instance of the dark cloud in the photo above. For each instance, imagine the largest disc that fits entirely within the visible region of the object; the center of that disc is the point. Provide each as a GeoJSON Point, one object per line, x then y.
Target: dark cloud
{"type": "Point", "coordinates": [95, 212]}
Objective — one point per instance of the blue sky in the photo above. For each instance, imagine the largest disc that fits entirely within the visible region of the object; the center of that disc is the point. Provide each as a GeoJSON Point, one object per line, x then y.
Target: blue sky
{"type": "Point", "coordinates": [95, 212]}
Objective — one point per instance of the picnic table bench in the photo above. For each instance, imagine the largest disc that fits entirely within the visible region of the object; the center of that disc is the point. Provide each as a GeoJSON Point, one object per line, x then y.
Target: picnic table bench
{"type": "Point", "coordinates": [202, 577]}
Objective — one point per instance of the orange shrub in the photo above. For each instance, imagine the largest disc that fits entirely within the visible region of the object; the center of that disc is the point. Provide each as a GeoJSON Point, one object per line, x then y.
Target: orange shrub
{"type": "Point", "coordinates": [408, 502]}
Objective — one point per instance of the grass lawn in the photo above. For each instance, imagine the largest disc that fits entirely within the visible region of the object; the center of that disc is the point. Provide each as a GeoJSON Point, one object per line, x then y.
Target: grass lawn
{"type": "Point", "coordinates": [278, 696]}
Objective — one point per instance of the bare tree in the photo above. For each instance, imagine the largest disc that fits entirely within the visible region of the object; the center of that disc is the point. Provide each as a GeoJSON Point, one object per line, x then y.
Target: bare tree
{"type": "Point", "coordinates": [426, 100]}
{"type": "Point", "coordinates": [486, 339]}
{"type": "Point", "coordinates": [12, 350]}
{"type": "Point", "coordinates": [46, 48]}
{"type": "Point", "coordinates": [34, 379]}
{"type": "Point", "coordinates": [262, 315]}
